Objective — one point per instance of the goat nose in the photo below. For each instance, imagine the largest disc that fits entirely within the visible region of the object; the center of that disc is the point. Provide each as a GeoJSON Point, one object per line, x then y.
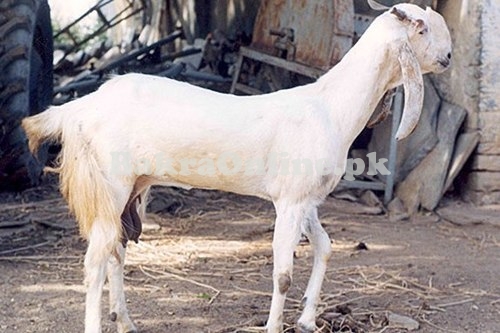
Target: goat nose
{"type": "Point", "coordinates": [444, 62]}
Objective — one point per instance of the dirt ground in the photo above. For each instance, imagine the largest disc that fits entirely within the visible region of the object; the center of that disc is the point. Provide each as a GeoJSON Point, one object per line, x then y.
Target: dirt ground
{"type": "Point", "coordinates": [204, 265]}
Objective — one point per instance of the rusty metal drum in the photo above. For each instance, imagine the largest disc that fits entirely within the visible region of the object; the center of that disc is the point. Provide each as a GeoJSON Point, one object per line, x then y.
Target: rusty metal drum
{"type": "Point", "coordinates": [322, 29]}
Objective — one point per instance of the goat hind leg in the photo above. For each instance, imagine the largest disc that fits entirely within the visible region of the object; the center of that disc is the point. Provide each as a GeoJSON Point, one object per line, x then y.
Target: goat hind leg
{"type": "Point", "coordinates": [117, 305]}
{"type": "Point", "coordinates": [101, 241]}
{"type": "Point", "coordinates": [321, 244]}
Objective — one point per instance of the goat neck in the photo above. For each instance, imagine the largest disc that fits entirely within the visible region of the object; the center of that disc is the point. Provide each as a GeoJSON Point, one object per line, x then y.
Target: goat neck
{"type": "Point", "coordinates": [352, 89]}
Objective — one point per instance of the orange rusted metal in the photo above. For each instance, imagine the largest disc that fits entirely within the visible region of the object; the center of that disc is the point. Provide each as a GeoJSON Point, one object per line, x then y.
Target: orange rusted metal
{"type": "Point", "coordinates": [322, 29]}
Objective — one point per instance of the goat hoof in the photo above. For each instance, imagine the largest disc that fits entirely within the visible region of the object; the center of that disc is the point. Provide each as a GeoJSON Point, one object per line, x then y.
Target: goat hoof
{"type": "Point", "coordinates": [128, 329]}
{"type": "Point", "coordinates": [301, 328]}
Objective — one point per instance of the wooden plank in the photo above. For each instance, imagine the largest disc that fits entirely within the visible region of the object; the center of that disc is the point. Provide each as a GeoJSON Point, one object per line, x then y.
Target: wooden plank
{"type": "Point", "coordinates": [247, 89]}
{"type": "Point", "coordinates": [364, 185]}
{"type": "Point", "coordinates": [466, 144]}
{"type": "Point", "coordinates": [13, 224]}
{"type": "Point", "coordinates": [246, 52]}
{"type": "Point", "coordinates": [424, 185]}
{"type": "Point", "coordinates": [451, 118]}
{"type": "Point", "coordinates": [236, 75]}
{"type": "Point", "coordinates": [282, 63]}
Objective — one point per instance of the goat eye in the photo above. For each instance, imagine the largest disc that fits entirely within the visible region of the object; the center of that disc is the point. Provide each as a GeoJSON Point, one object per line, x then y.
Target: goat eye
{"type": "Point", "coordinates": [449, 55]}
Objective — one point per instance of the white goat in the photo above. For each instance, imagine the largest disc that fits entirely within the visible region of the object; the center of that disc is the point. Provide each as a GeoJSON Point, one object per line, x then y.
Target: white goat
{"type": "Point", "coordinates": [146, 120]}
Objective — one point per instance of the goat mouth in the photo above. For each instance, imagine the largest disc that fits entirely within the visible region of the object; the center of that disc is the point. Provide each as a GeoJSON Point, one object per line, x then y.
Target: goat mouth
{"type": "Point", "coordinates": [445, 63]}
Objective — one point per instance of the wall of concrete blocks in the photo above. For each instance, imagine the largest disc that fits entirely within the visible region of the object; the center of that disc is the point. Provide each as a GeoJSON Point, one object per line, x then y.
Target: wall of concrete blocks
{"type": "Point", "coordinates": [474, 83]}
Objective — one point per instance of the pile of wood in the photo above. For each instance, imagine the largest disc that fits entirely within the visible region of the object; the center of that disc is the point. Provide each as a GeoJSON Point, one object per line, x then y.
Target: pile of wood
{"type": "Point", "coordinates": [84, 70]}
{"type": "Point", "coordinates": [430, 159]}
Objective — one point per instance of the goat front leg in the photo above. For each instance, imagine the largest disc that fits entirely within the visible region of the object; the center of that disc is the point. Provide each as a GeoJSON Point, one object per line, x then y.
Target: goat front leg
{"type": "Point", "coordinates": [117, 304]}
{"type": "Point", "coordinates": [101, 244]}
{"type": "Point", "coordinates": [286, 237]}
{"type": "Point", "coordinates": [320, 242]}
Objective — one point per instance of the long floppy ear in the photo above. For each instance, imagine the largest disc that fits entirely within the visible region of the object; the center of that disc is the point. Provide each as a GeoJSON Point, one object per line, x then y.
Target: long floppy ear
{"type": "Point", "coordinates": [413, 84]}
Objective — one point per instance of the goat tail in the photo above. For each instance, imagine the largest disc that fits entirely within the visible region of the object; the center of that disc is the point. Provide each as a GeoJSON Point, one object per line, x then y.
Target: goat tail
{"type": "Point", "coordinates": [87, 190]}
{"type": "Point", "coordinates": [83, 182]}
{"type": "Point", "coordinates": [45, 126]}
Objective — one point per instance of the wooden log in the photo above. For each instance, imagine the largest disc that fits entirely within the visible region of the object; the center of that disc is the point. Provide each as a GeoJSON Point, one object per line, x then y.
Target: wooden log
{"type": "Point", "coordinates": [424, 185]}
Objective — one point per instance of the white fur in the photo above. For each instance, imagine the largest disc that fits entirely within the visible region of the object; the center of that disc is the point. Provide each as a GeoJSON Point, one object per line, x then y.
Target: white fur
{"type": "Point", "coordinates": [144, 116]}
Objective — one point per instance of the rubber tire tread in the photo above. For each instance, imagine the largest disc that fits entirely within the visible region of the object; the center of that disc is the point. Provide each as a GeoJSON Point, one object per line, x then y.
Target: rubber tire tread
{"type": "Point", "coordinates": [25, 39]}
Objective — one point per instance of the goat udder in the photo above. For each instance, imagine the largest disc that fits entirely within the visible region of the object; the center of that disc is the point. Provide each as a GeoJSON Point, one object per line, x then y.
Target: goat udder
{"type": "Point", "coordinates": [131, 222]}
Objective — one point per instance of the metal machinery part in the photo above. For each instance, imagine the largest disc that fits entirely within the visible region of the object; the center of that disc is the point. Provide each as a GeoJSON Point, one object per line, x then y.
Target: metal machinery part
{"type": "Point", "coordinates": [303, 37]}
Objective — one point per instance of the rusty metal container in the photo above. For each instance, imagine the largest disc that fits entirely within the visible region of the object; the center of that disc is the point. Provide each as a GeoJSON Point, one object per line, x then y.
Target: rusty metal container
{"type": "Point", "coordinates": [322, 30]}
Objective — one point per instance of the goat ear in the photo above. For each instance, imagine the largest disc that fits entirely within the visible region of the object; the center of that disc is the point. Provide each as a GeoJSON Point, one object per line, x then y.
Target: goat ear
{"type": "Point", "coordinates": [413, 84]}
{"type": "Point", "coordinates": [400, 14]}
{"type": "Point", "coordinates": [421, 26]}
{"type": "Point", "coordinates": [418, 24]}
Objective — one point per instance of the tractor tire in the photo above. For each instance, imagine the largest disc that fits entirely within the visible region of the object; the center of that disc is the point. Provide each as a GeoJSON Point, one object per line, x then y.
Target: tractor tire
{"type": "Point", "coordinates": [26, 84]}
